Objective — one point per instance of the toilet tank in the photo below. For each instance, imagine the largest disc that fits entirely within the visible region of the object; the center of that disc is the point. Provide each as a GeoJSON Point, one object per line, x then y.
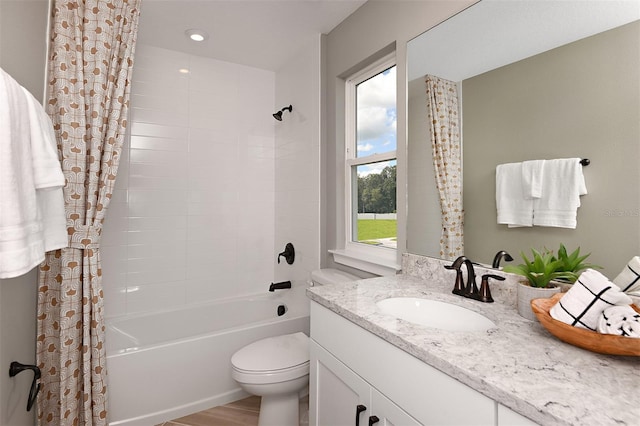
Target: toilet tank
{"type": "Point", "coordinates": [331, 276]}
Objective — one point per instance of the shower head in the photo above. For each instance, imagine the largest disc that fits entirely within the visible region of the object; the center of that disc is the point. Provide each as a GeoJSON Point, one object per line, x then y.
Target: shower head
{"type": "Point", "coordinates": [278, 115]}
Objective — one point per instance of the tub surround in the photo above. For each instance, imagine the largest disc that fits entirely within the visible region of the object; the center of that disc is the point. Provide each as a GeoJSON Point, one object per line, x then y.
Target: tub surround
{"type": "Point", "coordinates": [190, 349]}
{"type": "Point", "coordinates": [519, 364]}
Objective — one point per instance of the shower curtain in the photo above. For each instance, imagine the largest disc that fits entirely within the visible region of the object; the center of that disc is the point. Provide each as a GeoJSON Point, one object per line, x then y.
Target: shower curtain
{"type": "Point", "coordinates": [444, 130]}
{"type": "Point", "coordinates": [92, 45]}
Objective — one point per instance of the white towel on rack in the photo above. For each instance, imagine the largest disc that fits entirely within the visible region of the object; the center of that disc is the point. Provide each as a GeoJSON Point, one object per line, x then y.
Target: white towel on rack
{"type": "Point", "coordinates": [584, 303]}
{"type": "Point", "coordinates": [512, 206]}
{"type": "Point", "coordinates": [532, 172]}
{"type": "Point", "coordinates": [629, 278]}
{"type": "Point", "coordinates": [562, 185]}
{"type": "Point", "coordinates": [621, 321]}
{"type": "Point", "coordinates": [22, 243]}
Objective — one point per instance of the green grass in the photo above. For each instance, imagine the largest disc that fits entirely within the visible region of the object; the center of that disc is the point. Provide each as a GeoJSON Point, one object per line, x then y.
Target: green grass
{"type": "Point", "coordinates": [374, 229]}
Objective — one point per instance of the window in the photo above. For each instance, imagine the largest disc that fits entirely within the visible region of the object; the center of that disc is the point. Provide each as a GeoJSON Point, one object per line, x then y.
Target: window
{"type": "Point", "coordinates": [371, 220]}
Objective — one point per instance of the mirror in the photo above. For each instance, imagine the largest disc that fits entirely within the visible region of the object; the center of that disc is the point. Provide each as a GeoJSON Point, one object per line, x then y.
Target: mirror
{"type": "Point", "coordinates": [537, 80]}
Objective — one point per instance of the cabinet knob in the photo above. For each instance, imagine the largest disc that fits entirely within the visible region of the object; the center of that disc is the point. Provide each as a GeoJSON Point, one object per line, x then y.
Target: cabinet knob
{"type": "Point", "coordinates": [359, 409]}
{"type": "Point", "coordinates": [373, 420]}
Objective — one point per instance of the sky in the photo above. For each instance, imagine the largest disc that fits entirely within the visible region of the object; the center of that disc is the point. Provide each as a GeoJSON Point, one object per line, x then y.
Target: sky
{"type": "Point", "coordinates": [376, 119]}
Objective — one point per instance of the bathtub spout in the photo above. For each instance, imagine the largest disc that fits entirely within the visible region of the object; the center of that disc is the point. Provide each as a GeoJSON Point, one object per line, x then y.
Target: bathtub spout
{"type": "Point", "coordinates": [280, 286]}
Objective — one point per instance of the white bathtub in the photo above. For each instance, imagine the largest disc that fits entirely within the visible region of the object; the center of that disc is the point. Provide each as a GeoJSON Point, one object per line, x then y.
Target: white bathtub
{"type": "Point", "coordinates": [170, 364]}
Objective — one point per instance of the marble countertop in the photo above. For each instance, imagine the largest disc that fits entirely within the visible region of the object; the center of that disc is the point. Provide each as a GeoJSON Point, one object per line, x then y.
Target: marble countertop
{"type": "Point", "coordinates": [518, 364]}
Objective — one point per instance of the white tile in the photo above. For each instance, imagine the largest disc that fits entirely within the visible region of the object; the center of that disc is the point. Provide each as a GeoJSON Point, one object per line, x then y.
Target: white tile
{"type": "Point", "coordinates": [156, 276]}
{"type": "Point", "coordinates": [139, 182]}
{"type": "Point", "coordinates": [157, 130]}
{"type": "Point", "coordinates": [176, 170]}
{"type": "Point", "coordinates": [156, 116]}
{"type": "Point", "coordinates": [174, 263]}
{"type": "Point", "coordinates": [170, 252]}
{"type": "Point", "coordinates": [157, 236]}
{"type": "Point", "coordinates": [159, 144]}
{"type": "Point", "coordinates": [164, 158]}
{"type": "Point", "coordinates": [158, 223]}
{"type": "Point", "coordinates": [210, 74]}
{"type": "Point", "coordinates": [113, 238]}
{"type": "Point", "coordinates": [157, 197]}
{"type": "Point", "coordinates": [176, 103]}
{"type": "Point", "coordinates": [201, 150]}
{"type": "Point", "coordinates": [170, 88]}
{"type": "Point", "coordinates": [223, 198]}
{"type": "Point", "coordinates": [205, 136]}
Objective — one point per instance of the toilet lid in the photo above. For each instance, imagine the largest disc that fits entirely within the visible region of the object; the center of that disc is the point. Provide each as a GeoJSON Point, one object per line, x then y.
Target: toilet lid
{"type": "Point", "coordinates": [273, 353]}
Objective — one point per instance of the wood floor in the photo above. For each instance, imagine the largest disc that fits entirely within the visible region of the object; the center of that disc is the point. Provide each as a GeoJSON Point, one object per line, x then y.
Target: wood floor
{"type": "Point", "coordinates": [239, 413]}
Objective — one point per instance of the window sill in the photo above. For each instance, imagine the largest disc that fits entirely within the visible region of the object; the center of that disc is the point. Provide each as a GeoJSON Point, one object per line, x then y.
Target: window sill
{"type": "Point", "coordinates": [366, 262]}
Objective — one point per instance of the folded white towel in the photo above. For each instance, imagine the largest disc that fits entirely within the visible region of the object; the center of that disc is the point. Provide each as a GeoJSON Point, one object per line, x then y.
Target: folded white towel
{"type": "Point", "coordinates": [48, 177]}
{"type": "Point", "coordinates": [513, 208]}
{"type": "Point", "coordinates": [629, 279]}
{"type": "Point", "coordinates": [22, 241]}
{"type": "Point", "coordinates": [532, 172]}
{"type": "Point", "coordinates": [621, 321]}
{"type": "Point", "coordinates": [562, 185]}
{"type": "Point", "coordinates": [584, 303]}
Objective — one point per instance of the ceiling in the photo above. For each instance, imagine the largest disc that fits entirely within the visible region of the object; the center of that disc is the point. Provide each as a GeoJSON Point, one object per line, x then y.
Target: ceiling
{"type": "Point", "coordinates": [258, 33]}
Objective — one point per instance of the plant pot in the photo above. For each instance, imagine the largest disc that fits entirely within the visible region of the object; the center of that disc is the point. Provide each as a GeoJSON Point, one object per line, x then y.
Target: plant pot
{"type": "Point", "coordinates": [526, 294]}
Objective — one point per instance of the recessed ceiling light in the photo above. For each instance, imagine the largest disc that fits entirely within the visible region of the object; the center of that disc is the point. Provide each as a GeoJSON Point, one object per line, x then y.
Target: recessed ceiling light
{"type": "Point", "coordinates": [197, 35]}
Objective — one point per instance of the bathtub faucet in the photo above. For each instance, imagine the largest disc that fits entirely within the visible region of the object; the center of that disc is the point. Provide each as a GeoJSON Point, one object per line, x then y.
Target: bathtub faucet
{"type": "Point", "coordinates": [280, 286]}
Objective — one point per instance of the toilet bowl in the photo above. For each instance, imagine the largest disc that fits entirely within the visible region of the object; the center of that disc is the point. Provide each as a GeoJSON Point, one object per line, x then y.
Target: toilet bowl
{"type": "Point", "coordinates": [277, 368]}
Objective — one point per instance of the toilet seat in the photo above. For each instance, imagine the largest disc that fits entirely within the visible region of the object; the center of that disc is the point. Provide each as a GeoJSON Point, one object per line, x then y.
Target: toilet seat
{"type": "Point", "coordinates": [274, 376]}
{"type": "Point", "coordinates": [272, 360]}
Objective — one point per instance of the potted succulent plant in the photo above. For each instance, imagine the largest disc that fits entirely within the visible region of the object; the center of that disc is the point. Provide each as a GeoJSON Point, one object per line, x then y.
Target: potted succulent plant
{"type": "Point", "coordinates": [545, 273]}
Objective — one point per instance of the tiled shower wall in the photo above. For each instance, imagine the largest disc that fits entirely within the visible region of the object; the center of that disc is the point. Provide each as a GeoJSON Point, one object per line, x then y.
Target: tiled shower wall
{"type": "Point", "coordinates": [297, 185]}
{"type": "Point", "coordinates": [192, 217]}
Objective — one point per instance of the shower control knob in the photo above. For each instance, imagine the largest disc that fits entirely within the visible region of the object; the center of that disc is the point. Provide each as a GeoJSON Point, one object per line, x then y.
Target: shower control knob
{"type": "Point", "coordinates": [289, 254]}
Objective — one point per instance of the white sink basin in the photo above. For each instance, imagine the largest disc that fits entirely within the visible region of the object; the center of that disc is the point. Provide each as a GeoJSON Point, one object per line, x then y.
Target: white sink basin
{"type": "Point", "coordinates": [435, 314]}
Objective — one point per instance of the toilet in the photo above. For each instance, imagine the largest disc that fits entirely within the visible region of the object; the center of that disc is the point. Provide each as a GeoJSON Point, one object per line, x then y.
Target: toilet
{"type": "Point", "coordinates": [277, 368]}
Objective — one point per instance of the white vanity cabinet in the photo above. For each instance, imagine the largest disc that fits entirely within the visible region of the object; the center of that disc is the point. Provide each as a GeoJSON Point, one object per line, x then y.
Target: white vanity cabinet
{"type": "Point", "coordinates": [351, 366]}
{"type": "Point", "coordinates": [342, 397]}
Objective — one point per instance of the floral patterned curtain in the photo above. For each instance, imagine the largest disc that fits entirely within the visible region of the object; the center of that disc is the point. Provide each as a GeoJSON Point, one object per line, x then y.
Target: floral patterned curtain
{"type": "Point", "coordinates": [91, 58]}
{"type": "Point", "coordinates": [444, 129]}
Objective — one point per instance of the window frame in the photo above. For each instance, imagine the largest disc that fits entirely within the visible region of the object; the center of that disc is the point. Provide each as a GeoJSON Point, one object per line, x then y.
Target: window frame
{"type": "Point", "coordinates": [373, 256]}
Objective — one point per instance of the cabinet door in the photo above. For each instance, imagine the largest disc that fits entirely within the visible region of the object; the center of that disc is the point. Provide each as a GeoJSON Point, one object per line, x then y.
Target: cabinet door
{"type": "Point", "coordinates": [388, 413]}
{"type": "Point", "coordinates": [336, 394]}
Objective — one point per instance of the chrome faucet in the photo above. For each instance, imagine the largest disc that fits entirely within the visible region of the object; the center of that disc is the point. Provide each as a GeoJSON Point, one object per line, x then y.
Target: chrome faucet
{"type": "Point", "coordinates": [470, 289]}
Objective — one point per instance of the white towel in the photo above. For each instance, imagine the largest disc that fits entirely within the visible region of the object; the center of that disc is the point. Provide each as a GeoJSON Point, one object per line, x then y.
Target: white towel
{"type": "Point", "coordinates": [589, 296]}
{"type": "Point", "coordinates": [532, 172]}
{"type": "Point", "coordinates": [562, 185]}
{"type": "Point", "coordinates": [513, 209]}
{"type": "Point", "coordinates": [48, 177]}
{"type": "Point", "coordinates": [621, 321]}
{"type": "Point", "coordinates": [629, 279]}
{"type": "Point", "coordinates": [22, 244]}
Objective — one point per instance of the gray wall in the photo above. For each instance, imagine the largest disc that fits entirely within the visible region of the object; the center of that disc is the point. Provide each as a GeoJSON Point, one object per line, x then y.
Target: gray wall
{"type": "Point", "coordinates": [579, 100]}
{"type": "Point", "coordinates": [22, 55]}
{"type": "Point", "coordinates": [367, 34]}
